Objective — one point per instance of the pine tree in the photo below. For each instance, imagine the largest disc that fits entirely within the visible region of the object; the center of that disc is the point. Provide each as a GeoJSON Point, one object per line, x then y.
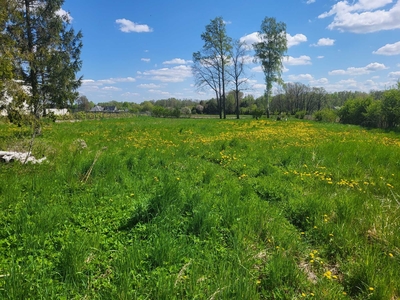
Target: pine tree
{"type": "Point", "coordinates": [49, 52]}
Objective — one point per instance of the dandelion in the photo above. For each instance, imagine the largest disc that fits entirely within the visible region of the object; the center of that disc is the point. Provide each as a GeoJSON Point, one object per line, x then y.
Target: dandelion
{"type": "Point", "coordinates": [371, 288]}
{"type": "Point", "coordinates": [312, 294]}
{"type": "Point", "coordinates": [258, 281]}
{"type": "Point", "coordinates": [390, 254]}
{"type": "Point", "coordinates": [177, 178]}
{"type": "Point", "coordinates": [389, 185]}
{"type": "Point", "coordinates": [344, 293]}
{"type": "Point", "coordinates": [331, 234]}
{"type": "Point", "coordinates": [132, 194]}
{"type": "Point", "coordinates": [328, 274]}
{"type": "Point", "coordinates": [303, 294]}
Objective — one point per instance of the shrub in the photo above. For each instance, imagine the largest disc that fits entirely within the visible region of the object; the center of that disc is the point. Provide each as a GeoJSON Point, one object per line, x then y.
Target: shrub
{"type": "Point", "coordinates": [353, 111]}
{"type": "Point", "coordinates": [257, 113]}
{"type": "Point", "coordinates": [300, 114]}
{"type": "Point", "coordinates": [391, 107]}
{"type": "Point", "coordinates": [325, 115]}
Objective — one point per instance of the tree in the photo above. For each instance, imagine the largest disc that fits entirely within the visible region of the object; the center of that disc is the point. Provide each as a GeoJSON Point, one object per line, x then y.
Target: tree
{"type": "Point", "coordinates": [83, 103]}
{"type": "Point", "coordinates": [236, 71]}
{"type": "Point", "coordinates": [215, 56]}
{"type": "Point", "coordinates": [270, 51]}
{"type": "Point", "coordinates": [50, 53]}
{"type": "Point", "coordinates": [206, 74]}
{"type": "Point", "coordinates": [391, 107]}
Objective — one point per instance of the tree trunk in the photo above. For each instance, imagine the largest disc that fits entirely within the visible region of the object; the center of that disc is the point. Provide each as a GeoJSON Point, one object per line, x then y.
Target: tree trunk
{"type": "Point", "coordinates": [237, 103]}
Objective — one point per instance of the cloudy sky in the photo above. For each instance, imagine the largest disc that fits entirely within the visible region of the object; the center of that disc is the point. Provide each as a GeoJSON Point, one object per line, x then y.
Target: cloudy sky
{"type": "Point", "coordinates": [142, 50]}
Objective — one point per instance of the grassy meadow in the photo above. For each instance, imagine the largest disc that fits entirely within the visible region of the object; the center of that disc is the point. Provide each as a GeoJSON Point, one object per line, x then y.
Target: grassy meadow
{"type": "Point", "coordinates": [145, 208]}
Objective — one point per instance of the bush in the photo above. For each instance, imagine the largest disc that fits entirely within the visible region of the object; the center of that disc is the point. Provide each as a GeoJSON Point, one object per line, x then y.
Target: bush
{"type": "Point", "coordinates": [300, 114]}
{"type": "Point", "coordinates": [373, 115]}
{"type": "Point", "coordinates": [257, 113]}
{"type": "Point", "coordinates": [186, 111]}
{"type": "Point", "coordinates": [353, 111]}
{"type": "Point", "coordinates": [325, 115]}
{"type": "Point", "coordinates": [391, 107]}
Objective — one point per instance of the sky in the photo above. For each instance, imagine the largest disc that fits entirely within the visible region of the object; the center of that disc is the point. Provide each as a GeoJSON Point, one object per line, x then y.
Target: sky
{"type": "Point", "coordinates": [138, 50]}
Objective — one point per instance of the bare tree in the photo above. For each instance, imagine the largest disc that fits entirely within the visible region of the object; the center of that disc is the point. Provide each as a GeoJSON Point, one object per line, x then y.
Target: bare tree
{"type": "Point", "coordinates": [237, 70]}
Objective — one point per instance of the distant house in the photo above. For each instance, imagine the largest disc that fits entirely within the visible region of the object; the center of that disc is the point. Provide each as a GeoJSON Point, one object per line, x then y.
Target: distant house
{"type": "Point", "coordinates": [97, 108]}
{"type": "Point", "coordinates": [110, 109]}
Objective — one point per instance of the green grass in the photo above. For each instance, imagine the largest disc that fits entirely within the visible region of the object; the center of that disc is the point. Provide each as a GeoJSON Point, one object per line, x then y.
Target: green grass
{"type": "Point", "coordinates": [201, 209]}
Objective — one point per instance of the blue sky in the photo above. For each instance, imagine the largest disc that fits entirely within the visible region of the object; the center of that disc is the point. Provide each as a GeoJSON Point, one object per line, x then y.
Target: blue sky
{"type": "Point", "coordinates": [142, 50]}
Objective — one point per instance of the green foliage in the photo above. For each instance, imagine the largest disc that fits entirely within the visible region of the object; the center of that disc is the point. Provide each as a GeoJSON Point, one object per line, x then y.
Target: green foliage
{"type": "Point", "coordinates": [373, 115]}
{"type": "Point", "coordinates": [325, 115]}
{"type": "Point", "coordinates": [353, 111]}
{"type": "Point", "coordinates": [270, 52]}
{"type": "Point", "coordinates": [51, 51]}
{"type": "Point", "coordinates": [391, 107]}
{"type": "Point", "coordinates": [300, 114]}
{"type": "Point", "coordinates": [136, 208]}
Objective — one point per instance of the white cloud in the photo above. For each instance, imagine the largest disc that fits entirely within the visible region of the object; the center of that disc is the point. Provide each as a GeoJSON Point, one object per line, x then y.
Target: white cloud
{"type": "Point", "coordinates": [321, 81]}
{"type": "Point", "coordinates": [363, 16]}
{"type": "Point", "coordinates": [310, 1]}
{"type": "Point", "coordinates": [177, 61]}
{"type": "Point", "coordinates": [145, 59]}
{"type": "Point", "coordinates": [124, 79]}
{"type": "Point", "coordinates": [148, 86]}
{"type": "Point", "coordinates": [107, 81]}
{"type": "Point", "coordinates": [320, 56]}
{"type": "Point", "coordinates": [259, 86]}
{"type": "Point", "coordinates": [175, 74]}
{"type": "Point", "coordinates": [252, 38]}
{"type": "Point", "coordinates": [110, 88]}
{"type": "Point", "coordinates": [296, 39]}
{"type": "Point", "coordinates": [297, 61]}
{"type": "Point", "coordinates": [394, 74]}
{"type": "Point", "coordinates": [159, 92]}
{"type": "Point", "coordinates": [87, 81]}
{"type": "Point", "coordinates": [372, 67]}
{"type": "Point", "coordinates": [129, 26]}
{"type": "Point", "coordinates": [389, 49]}
{"type": "Point", "coordinates": [128, 94]}
{"type": "Point", "coordinates": [301, 77]}
{"type": "Point", "coordinates": [64, 14]}
{"type": "Point", "coordinates": [324, 42]}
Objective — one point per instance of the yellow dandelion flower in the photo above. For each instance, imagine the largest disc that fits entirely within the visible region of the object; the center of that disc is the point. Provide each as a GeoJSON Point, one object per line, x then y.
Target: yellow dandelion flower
{"type": "Point", "coordinates": [371, 288]}
{"type": "Point", "coordinates": [328, 274]}
{"type": "Point", "coordinates": [390, 254]}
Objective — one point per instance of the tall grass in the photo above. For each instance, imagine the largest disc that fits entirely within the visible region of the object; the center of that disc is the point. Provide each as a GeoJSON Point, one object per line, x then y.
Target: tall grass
{"type": "Point", "coordinates": [201, 209]}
